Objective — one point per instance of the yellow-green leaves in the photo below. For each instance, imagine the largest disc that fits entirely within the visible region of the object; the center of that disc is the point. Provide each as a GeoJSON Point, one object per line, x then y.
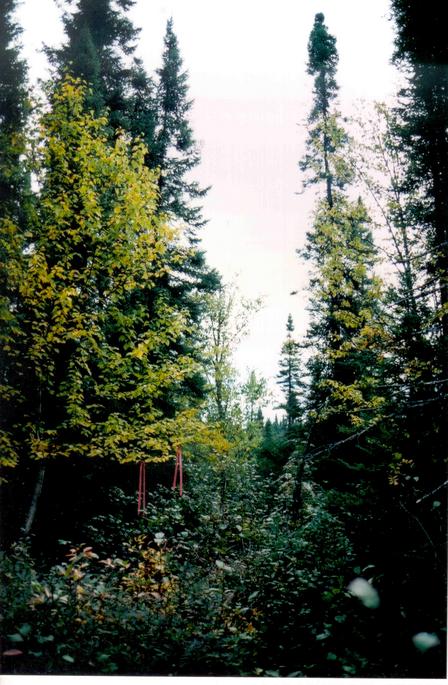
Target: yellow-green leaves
{"type": "Point", "coordinates": [95, 332]}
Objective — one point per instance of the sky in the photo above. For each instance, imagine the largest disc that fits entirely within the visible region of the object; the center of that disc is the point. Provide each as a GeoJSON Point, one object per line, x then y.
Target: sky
{"type": "Point", "coordinates": [246, 61]}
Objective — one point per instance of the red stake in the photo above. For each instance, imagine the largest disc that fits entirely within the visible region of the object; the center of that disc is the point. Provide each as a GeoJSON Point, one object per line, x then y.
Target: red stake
{"type": "Point", "coordinates": [178, 471]}
{"type": "Point", "coordinates": [141, 504]}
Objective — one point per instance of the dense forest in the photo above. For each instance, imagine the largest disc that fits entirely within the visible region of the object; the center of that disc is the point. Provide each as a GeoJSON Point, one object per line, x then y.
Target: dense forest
{"type": "Point", "coordinates": [154, 522]}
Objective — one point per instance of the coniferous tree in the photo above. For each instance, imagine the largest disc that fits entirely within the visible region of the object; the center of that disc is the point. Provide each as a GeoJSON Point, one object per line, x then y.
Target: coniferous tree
{"type": "Point", "coordinates": [289, 376]}
{"type": "Point", "coordinates": [13, 113]}
{"type": "Point", "coordinates": [100, 38]}
{"type": "Point", "coordinates": [422, 51]}
{"type": "Point", "coordinates": [422, 132]}
{"type": "Point", "coordinates": [175, 150]}
{"type": "Point", "coordinates": [363, 447]}
{"type": "Point", "coordinates": [324, 159]}
{"type": "Point", "coordinates": [344, 331]}
{"type": "Point", "coordinates": [14, 191]}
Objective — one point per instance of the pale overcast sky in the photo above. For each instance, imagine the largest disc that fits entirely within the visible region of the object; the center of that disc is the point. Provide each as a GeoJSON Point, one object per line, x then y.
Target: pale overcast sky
{"type": "Point", "coordinates": [247, 73]}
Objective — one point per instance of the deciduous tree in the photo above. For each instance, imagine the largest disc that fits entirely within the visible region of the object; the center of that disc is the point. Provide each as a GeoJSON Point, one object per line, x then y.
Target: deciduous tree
{"type": "Point", "coordinates": [95, 332]}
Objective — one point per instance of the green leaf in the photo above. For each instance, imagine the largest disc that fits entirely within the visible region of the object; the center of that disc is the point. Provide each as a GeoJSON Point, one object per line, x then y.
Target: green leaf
{"type": "Point", "coordinates": [16, 637]}
{"type": "Point", "coordinates": [103, 657]}
{"type": "Point", "coordinates": [68, 658]}
{"type": "Point", "coordinates": [45, 638]}
{"type": "Point", "coordinates": [25, 629]}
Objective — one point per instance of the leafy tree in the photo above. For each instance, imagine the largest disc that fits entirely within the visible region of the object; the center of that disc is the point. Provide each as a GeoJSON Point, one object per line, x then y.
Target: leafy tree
{"type": "Point", "coordinates": [412, 363]}
{"type": "Point", "coordinates": [99, 48]}
{"type": "Point", "coordinates": [254, 392]}
{"type": "Point", "coordinates": [100, 45]}
{"type": "Point", "coordinates": [95, 333]}
{"type": "Point", "coordinates": [225, 323]}
{"type": "Point", "coordinates": [289, 376]}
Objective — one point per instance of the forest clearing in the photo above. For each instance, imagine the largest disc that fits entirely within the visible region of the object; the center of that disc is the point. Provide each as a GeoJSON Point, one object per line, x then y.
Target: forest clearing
{"type": "Point", "coordinates": [160, 514]}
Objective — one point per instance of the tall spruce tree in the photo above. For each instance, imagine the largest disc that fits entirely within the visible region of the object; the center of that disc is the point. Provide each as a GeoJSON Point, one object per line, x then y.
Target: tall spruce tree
{"type": "Point", "coordinates": [344, 333]}
{"type": "Point", "coordinates": [100, 41]}
{"type": "Point", "coordinates": [13, 113]}
{"type": "Point", "coordinates": [324, 158]}
{"type": "Point", "coordinates": [175, 150]}
{"type": "Point", "coordinates": [289, 376]}
{"type": "Point", "coordinates": [422, 130]}
{"type": "Point", "coordinates": [422, 52]}
{"type": "Point", "coordinates": [14, 190]}
{"type": "Point", "coordinates": [174, 153]}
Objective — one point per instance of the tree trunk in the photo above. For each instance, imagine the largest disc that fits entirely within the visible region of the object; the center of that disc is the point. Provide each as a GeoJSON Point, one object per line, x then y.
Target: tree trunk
{"type": "Point", "coordinates": [34, 501]}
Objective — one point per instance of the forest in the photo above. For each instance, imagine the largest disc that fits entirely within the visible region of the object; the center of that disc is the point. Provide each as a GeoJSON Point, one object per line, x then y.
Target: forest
{"type": "Point", "coordinates": [154, 520]}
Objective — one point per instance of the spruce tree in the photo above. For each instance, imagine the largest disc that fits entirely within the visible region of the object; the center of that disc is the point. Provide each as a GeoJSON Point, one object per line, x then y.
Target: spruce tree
{"type": "Point", "coordinates": [289, 376]}
{"type": "Point", "coordinates": [344, 334]}
{"type": "Point", "coordinates": [14, 193]}
{"type": "Point", "coordinates": [100, 43]}
{"type": "Point", "coordinates": [13, 113]}
{"type": "Point", "coordinates": [324, 159]}
{"type": "Point", "coordinates": [422, 52]}
{"type": "Point", "coordinates": [175, 150]}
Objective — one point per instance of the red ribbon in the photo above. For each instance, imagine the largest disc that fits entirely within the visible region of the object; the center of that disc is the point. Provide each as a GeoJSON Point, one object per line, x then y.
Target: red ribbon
{"type": "Point", "coordinates": [141, 504]}
{"type": "Point", "coordinates": [178, 471]}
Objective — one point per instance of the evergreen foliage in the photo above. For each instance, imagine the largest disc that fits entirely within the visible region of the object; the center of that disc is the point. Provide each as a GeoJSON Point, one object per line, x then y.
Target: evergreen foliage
{"type": "Point", "coordinates": [422, 52]}
{"type": "Point", "coordinates": [14, 192]}
{"type": "Point", "coordinates": [99, 39]}
{"type": "Point", "coordinates": [324, 160]}
{"type": "Point", "coordinates": [13, 113]}
{"type": "Point", "coordinates": [345, 333]}
{"type": "Point", "coordinates": [175, 151]}
{"type": "Point", "coordinates": [289, 376]}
